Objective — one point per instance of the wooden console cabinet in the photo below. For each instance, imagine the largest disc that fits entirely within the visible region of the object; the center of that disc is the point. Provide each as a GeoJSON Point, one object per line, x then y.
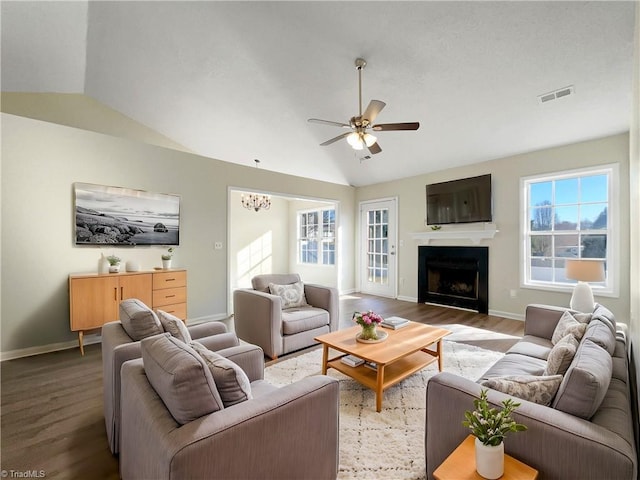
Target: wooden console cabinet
{"type": "Point", "coordinates": [94, 299]}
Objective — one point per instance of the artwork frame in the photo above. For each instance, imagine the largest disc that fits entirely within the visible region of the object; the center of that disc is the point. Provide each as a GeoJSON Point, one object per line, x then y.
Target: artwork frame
{"type": "Point", "coordinates": [118, 216]}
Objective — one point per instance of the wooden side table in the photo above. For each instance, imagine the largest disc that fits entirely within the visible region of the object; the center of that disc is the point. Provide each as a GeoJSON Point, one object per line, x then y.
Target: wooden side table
{"type": "Point", "coordinates": [461, 465]}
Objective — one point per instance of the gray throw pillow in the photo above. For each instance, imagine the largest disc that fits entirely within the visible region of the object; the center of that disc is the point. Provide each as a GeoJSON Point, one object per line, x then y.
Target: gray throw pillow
{"type": "Point", "coordinates": [585, 384]}
{"type": "Point", "coordinates": [231, 381]}
{"type": "Point", "coordinates": [138, 320]}
{"type": "Point", "coordinates": [174, 326]}
{"type": "Point", "coordinates": [561, 356]}
{"type": "Point", "coordinates": [292, 295]}
{"type": "Point", "coordinates": [568, 325]}
{"type": "Point", "coordinates": [600, 334]}
{"type": "Point", "coordinates": [532, 388]}
{"type": "Point", "coordinates": [180, 378]}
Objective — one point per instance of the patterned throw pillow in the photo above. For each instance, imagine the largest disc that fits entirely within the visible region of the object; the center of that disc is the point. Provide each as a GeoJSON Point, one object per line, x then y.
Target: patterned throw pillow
{"type": "Point", "coordinates": [569, 325]}
{"type": "Point", "coordinates": [561, 356]}
{"type": "Point", "coordinates": [231, 381]}
{"type": "Point", "coordinates": [292, 295]}
{"type": "Point", "coordinates": [527, 387]}
{"type": "Point", "coordinates": [174, 326]}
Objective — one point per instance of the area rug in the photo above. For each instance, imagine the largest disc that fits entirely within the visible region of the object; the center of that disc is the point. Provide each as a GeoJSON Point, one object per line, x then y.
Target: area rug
{"type": "Point", "coordinates": [389, 444]}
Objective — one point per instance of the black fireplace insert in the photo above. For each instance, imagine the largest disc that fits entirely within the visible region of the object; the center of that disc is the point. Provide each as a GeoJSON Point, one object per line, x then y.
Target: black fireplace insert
{"type": "Point", "coordinates": [454, 276]}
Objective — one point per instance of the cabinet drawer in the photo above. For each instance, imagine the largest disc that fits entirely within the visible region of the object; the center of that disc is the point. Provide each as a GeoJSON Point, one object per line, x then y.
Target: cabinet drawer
{"type": "Point", "coordinates": [169, 296]}
{"type": "Point", "coordinates": [169, 280]}
{"type": "Point", "coordinates": [178, 310]}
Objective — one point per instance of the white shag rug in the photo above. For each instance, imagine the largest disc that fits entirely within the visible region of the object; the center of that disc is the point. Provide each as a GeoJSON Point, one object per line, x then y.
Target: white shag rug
{"type": "Point", "coordinates": [389, 444]}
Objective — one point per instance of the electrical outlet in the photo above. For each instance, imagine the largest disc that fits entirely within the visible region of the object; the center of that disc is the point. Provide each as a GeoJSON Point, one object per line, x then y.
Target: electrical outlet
{"type": "Point", "coordinates": [217, 245]}
{"type": "Point", "coordinates": [513, 293]}
{"type": "Point", "coordinates": [401, 281]}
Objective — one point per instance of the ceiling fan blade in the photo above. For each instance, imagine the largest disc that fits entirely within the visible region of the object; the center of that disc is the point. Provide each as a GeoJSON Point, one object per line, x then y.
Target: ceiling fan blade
{"type": "Point", "coordinates": [375, 148]}
{"type": "Point", "coordinates": [373, 109]}
{"type": "Point", "coordinates": [329, 122]}
{"type": "Point", "coordinates": [335, 139]}
{"type": "Point", "coordinates": [397, 126]}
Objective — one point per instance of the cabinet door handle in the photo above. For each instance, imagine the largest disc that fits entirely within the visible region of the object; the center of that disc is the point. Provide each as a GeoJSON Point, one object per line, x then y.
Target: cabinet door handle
{"type": "Point", "coordinates": [170, 280]}
{"type": "Point", "coordinates": [121, 293]}
{"type": "Point", "coordinates": [115, 293]}
{"type": "Point", "coordinates": [169, 296]}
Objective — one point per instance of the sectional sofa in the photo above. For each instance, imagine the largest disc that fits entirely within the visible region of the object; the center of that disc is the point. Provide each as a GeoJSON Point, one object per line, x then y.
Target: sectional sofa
{"type": "Point", "coordinates": [585, 431]}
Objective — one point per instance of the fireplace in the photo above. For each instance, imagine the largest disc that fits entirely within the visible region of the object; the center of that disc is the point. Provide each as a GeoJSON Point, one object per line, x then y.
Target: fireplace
{"type": "Point", "coordinates": [454, 276]}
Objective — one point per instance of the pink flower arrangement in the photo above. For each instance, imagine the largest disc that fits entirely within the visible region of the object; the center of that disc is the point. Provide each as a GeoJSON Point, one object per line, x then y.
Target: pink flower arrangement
{"type": "Point", "coordinates": [366, 318]}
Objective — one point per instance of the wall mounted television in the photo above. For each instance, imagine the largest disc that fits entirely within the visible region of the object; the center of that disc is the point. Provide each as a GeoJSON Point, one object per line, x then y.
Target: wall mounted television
{"type": "Point", "coordinates": [465, 200]}
{"type": "Point", "coordinates": [124, 217]}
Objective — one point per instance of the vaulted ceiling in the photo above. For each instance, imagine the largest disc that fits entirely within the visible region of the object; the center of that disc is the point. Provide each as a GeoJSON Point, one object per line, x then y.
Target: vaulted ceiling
{"type": "Point", "coordinates": [237, 81]}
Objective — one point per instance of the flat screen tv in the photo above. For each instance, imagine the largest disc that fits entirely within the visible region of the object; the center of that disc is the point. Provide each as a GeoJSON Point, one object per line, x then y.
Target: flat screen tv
{"type": "Point", "coordinates": [122, 216]}
{"type": "Point", "coordinates": [460, 201]}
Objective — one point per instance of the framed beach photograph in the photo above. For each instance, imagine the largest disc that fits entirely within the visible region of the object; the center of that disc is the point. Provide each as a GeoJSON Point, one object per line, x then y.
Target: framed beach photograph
{"type": "Point", "coordinates": [107, 215]}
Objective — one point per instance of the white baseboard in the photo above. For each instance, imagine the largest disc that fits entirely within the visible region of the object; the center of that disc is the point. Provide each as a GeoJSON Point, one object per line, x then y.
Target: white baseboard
{"type": "Point", "coordinates": [52, 347]}
{"type": "Point", "coordinates": [350, 291]}
{"type": "Point", "coordinates": [88, 340]}
{"type": "Point", "coordinates": [407, 299]}
{"type": "Point", "coordinates": [512, 316]}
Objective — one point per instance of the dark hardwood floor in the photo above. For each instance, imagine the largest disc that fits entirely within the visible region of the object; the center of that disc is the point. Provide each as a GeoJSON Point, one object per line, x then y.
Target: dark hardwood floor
{"type": "Point", "coordinates": [51, 419]}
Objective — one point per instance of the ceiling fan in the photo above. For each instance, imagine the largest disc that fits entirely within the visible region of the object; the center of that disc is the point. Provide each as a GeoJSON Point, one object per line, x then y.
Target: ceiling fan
{"type": "Point", "coordinates": [359, 136]}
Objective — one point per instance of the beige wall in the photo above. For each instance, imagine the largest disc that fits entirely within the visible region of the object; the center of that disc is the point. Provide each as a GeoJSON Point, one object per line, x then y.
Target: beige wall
{"type": "Point", "coordinates": [40, 163]}
{"type": "Point", "coordinates": [258, 241]}
{"type": "Point", "coordinates": [504, 252]}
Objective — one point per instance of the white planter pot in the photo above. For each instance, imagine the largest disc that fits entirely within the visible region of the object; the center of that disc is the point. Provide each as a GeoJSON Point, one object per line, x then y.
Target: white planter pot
{"type": "Point", "coordinates": [166, 264]}
{"type": "Point", "coordinates": [489, 460]}
{"type": "Point", "coordinates": [114, 268]}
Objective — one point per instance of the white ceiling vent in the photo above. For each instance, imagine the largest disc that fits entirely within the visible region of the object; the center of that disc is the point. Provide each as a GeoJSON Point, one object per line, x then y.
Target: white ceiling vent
{"type": "Point", "coordinates": [560, 93]}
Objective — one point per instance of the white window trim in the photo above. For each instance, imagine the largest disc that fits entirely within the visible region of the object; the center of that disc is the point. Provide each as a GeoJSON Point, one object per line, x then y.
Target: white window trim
{"type": "Point", "coordinates": [320, 252]}
{"type": "Point", "coordinates": [613, 245]}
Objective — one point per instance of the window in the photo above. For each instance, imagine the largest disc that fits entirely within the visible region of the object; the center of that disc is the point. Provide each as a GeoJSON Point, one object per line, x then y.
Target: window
{"type": "Point", "coordinates": [317, 237]}
{"type": "Point", "coordinates": [569, 215]}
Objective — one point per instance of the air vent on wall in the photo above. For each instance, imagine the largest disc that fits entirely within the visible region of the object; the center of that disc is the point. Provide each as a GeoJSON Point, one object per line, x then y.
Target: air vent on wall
{"type": "Point", "coordinates": [556, 94]}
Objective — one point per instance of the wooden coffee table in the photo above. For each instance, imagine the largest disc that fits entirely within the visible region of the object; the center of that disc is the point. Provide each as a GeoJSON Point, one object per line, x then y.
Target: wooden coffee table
{"type": "Point", "coordinates": [402, 354]}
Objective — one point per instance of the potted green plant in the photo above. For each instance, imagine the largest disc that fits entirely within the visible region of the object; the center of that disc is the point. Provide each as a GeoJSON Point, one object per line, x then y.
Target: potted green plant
{"type": "Point", "coordinates": [166, 259]}
{"type": "Point", "coordinates": [114, 263]}
{"type": "Point", "coordinates": [490, 426]}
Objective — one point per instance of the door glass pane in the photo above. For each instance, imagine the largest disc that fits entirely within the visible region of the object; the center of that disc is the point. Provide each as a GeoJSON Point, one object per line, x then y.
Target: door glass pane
{"type": "Point", "coordinates": [378, 245]}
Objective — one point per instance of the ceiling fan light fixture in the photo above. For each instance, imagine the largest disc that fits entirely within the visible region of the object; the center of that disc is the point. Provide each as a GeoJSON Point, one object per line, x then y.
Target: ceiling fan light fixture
{"type": "Point", "coordinates": [369, 139]}
{"type": "Point", "coordinates": [355, 141]}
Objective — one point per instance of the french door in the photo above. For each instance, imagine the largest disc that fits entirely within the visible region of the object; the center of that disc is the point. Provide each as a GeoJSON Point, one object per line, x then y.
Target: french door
{"type": "Point", "coordinates": [378, 238]}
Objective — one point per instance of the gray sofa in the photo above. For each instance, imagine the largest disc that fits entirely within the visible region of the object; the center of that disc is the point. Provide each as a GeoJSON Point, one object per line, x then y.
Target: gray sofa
{"type": "Point", "coordinates": [118, 347]}
{"type": "Point", "coordinates": [267, 433]}
{"type": "Point", "coordinates": [587, 430]}
{"type": "Point", "coordinates": [259, 317]}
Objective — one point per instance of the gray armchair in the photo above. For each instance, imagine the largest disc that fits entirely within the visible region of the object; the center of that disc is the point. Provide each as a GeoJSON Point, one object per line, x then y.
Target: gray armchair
{"type": "Point", "coordinates": [278, 433]}
{"type": "Point", "coordinates": [260, 319]}
{"type": "Point", "coordinates": [118, 347]}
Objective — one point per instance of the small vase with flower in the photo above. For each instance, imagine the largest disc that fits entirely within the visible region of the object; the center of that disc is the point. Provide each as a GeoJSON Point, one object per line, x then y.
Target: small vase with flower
{"type": "Point", "coordinates": [369, 322]}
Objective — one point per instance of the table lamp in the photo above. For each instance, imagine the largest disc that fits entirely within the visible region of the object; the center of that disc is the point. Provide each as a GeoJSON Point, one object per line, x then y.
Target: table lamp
{"type": "Point", "coordinates": [584, 271]}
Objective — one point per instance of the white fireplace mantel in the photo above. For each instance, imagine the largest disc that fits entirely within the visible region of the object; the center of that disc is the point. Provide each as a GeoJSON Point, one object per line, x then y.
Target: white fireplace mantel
{"type": "Point", "coordinates": [476, 234]}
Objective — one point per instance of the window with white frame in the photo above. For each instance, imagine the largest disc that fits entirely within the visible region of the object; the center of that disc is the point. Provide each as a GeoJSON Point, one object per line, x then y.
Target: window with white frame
{"type": "Point", "coordinates": [569, 215]}
{"type": "Point", "coordinates": [317, 237]}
